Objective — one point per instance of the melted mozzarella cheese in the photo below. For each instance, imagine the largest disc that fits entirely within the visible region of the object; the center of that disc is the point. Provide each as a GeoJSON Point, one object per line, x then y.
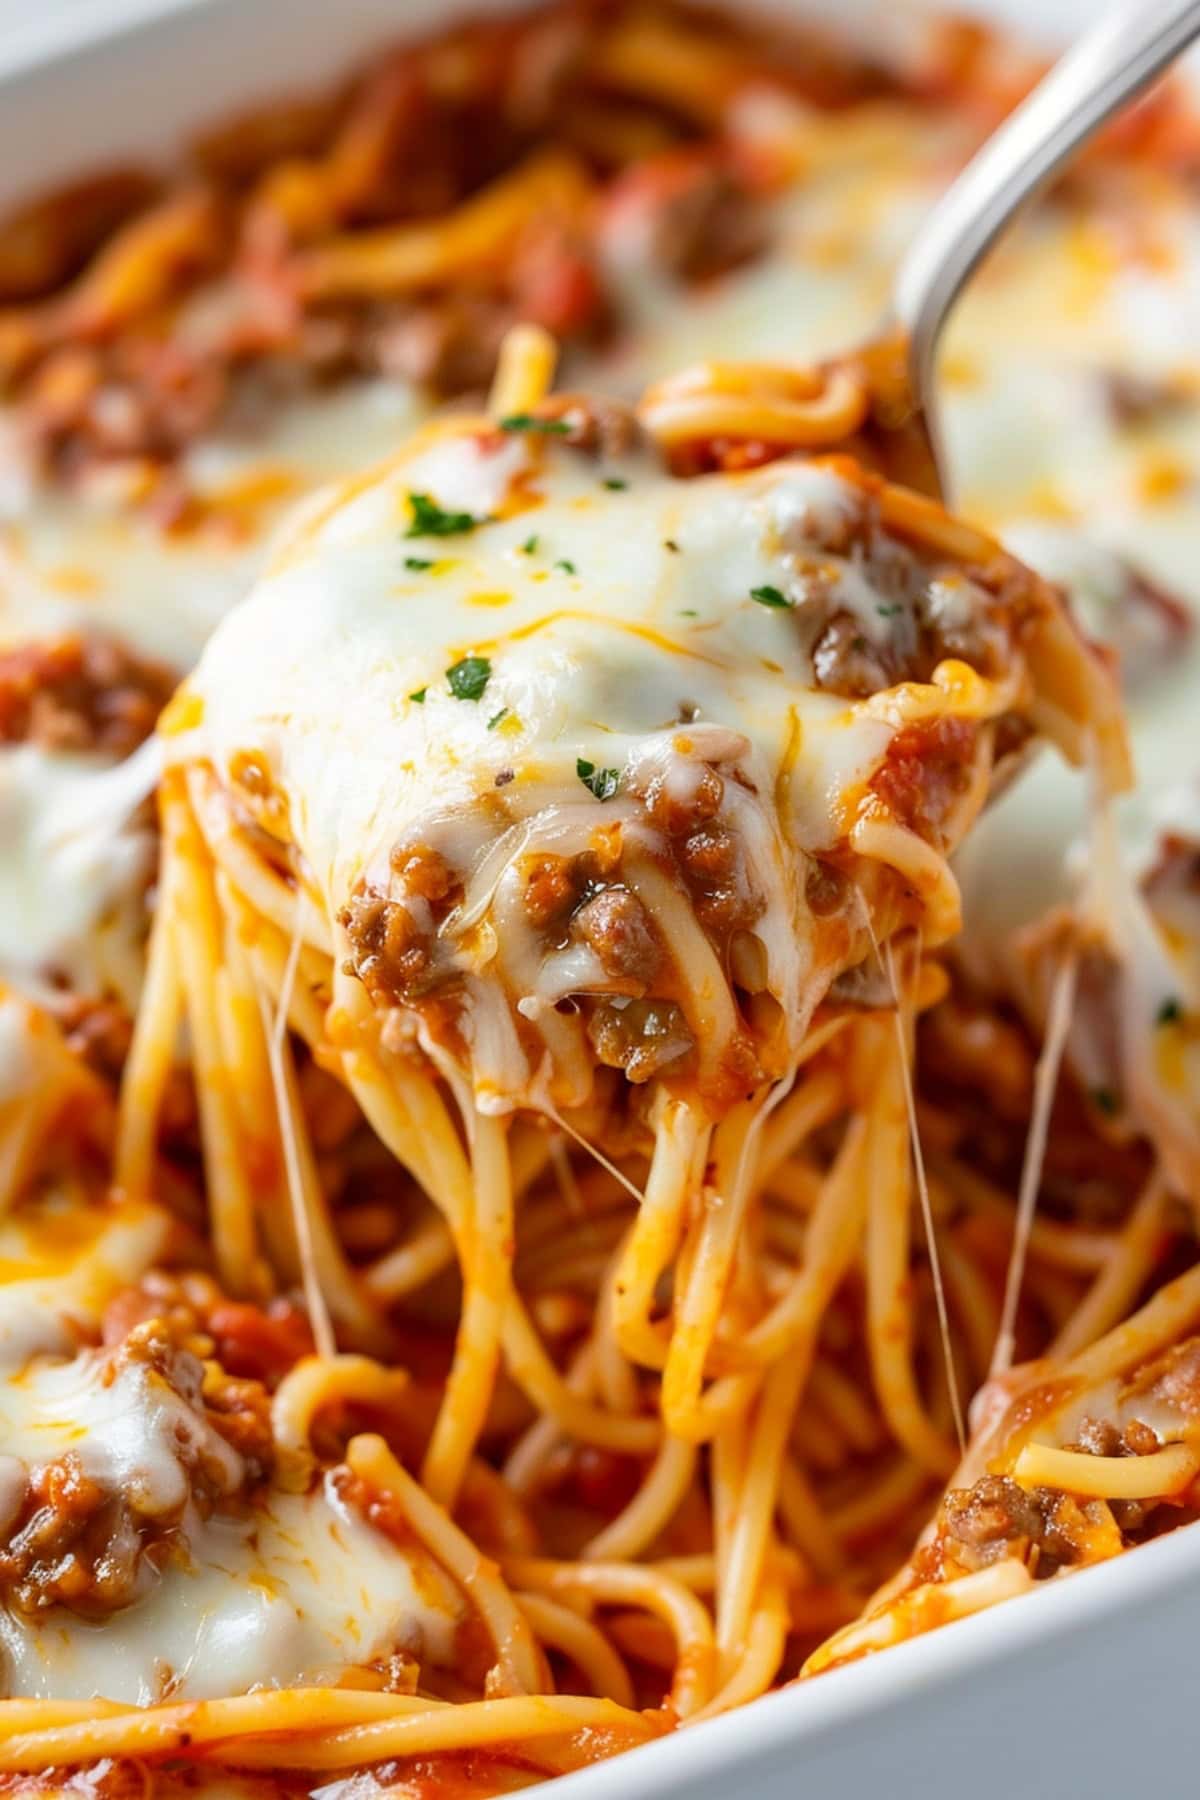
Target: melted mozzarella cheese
{"type": "Point", "coordinates": [72, 866]}
{"type": "Point", "coordinates": [285, 1594]}
{"type": "Point", "coordinates": [78, 563]}
{"type": "Point", "coordinates": [613, 627]}
{"type": "Point", "coordinates": [284, 1589]}
{"type": "Point", "coordinates": [863, 180]}
{"type": "Point", "coordinates": [126, 1425]}
{"type": "Point", "coordinates": [61, 1262]}
{"type": "Point", "coordinates": [605, 619]}
{"type": "Point", "coordinates": [70, 862]}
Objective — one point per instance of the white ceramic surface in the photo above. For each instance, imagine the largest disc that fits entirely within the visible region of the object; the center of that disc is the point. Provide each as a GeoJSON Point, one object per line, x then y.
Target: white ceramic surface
{"type": "Point", "coordinates": [1085, 1688]}
{"type": "Point", "coordinates": [82, 80]}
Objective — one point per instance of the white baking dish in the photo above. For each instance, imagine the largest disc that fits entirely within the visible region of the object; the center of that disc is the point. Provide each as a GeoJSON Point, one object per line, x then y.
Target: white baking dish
{"type": "Point", "coordinates": [1080, 1688]}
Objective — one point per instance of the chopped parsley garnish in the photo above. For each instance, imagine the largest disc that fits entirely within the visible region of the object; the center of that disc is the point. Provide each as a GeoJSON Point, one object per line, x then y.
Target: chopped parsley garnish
{"type": "Point", "coordinates": [496, 718]}
{"type": "Point", "coordinates": [670, 544]}
{"type": "Point", "coordinates": [1105, 1101]}
{"type": "Point", "coordinates": [468, 678]}
{"type": "Point", "coordinates": [531, 422]}
{"type": "Point", "coordinates": [604, 783]}
{"type": "Point", "coordinates": [530, 545]}
{"type": "Point", "coordinates": [688, 612]}
{"type": "Point", "coordinates": [568, 568]}
{"type": "Point", "coordinates": [417, 563]}
{"type": "Point", "coordinates": [419, 696]}
{"type": "Point", "coordinates": [1170, 1012]}
{"type": "Point", "coordinates": [769, 596]}
{"type": "Point", "coordinates": [431, 520]}
{"type": "Point", "coordinates": [889, 612]}
{"type": "Point", "coordinates": [615, 484]}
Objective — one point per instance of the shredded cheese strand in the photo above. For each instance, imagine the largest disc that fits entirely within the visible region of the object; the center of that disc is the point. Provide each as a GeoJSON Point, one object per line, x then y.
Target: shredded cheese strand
{"type": "Point", "coordinates": [1045, 1084]}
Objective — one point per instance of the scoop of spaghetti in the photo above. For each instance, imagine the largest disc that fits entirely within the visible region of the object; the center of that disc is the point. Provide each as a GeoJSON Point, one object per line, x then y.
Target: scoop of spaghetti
{"type": "Point", "coordinates": [538, 781]}
{"type": "Point", "coordinates": [575, 764]}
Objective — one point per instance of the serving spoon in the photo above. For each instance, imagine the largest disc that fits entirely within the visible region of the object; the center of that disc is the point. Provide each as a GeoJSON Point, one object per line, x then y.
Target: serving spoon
{"type": "Point", "coordinates": [1110, 65]}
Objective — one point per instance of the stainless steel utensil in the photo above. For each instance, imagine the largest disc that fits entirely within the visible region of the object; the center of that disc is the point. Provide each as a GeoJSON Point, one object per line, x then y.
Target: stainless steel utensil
{"type": "Point", "coordinates": [1106, 68]}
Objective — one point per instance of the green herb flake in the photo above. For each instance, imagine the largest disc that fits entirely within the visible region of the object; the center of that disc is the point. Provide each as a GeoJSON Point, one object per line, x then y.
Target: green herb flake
{"type": "Point", "coordinates": [419, 696]}
{"type": "Point", "coordinates": [616, 484]}
{"type": "Point", "coordinates": [568, 568]}
{"type": "Point", "coordinates": [688, 612]}
{"type": "Point", "coordinates": [417, 563]}
{"type": "Point", "coordinates": [889, 612]}
{"type": "Point", "coordinates": [603, 783]}
{"type": "Point", "coordinates": [431, 520]}
{"type": "Point", "coordinates": [531, 422]}
{"type": "Point", "coordinates": [529, 547]}
{"type": "Point", "coordinates": [496, 718]}
{"type": "Point", "coordinates": [1170, 1012]}
{"type": "Point", "coordinates": [468, 678]}
{"type": "Point", "coordinates": [770, 596]}
{"type": "Point", "coordinates": [1105, 1101]}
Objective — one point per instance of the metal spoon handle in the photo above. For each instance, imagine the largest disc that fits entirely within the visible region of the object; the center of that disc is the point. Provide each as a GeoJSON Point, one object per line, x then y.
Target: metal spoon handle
{"type": "Point", "coordinates": [1104, 69]}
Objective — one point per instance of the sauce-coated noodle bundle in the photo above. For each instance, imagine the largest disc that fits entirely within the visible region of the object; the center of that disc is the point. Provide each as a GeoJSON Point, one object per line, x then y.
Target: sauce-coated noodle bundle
{"type": "Point", "coordinates": [1075, 1460]}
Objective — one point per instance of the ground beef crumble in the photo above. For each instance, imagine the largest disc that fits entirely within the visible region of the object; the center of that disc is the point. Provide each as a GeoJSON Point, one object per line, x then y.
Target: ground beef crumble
{"type": "Point", "coordinates": [80, 693]}
{"type": "Point", "coordinates": [926, 770]}
{"type": "Point", "coordinates": [998, 1518]}
{"type": "Point", "coordinates": [616, 927]}
{"type": "Point", "coordinates": [393, 935]}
